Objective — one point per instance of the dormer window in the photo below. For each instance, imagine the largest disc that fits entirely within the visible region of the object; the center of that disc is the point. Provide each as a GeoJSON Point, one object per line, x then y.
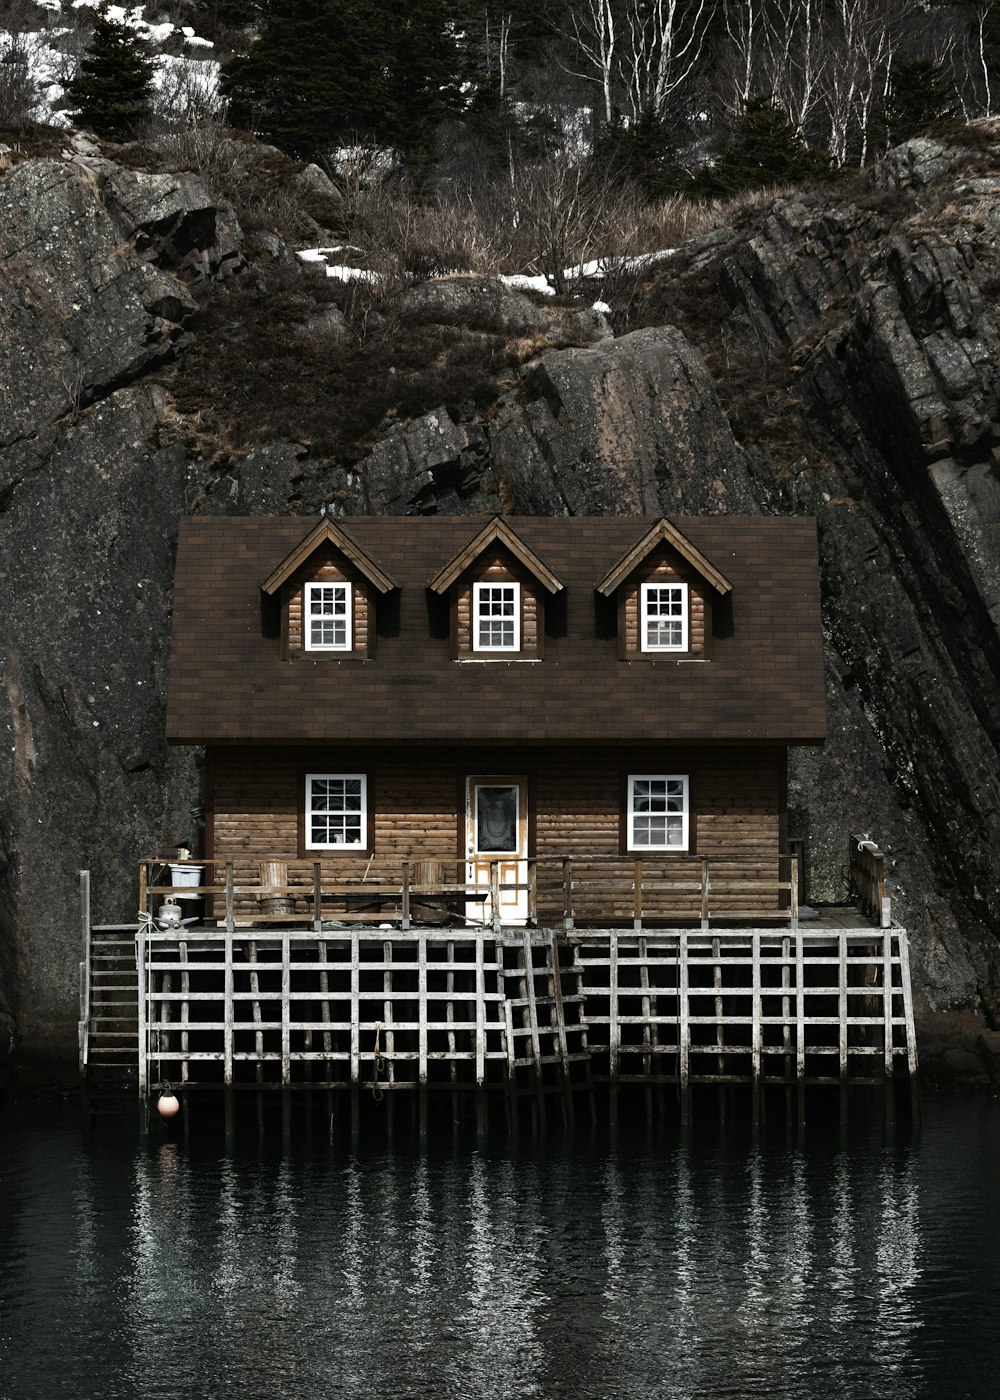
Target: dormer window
{"type": "Point", "coordinates": [496, 616]}
{"type": "Point", "coordinates": [664, 619]}
{"type": "Point", "coordinates": [328, 608]}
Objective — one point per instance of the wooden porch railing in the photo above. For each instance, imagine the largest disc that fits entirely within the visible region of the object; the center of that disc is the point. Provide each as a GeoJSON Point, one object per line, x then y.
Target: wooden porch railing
{"type": "Point", "coordinates": [593, 890]}
{"type": "Point", "coordinates": [867, 867]}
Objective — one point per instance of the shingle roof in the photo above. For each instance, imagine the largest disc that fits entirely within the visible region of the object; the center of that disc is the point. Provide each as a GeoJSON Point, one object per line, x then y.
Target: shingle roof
{"type": "Point", "coordinates": [763, 683]}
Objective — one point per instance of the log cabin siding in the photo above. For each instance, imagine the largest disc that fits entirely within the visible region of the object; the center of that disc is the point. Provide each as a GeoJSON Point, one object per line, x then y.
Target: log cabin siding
{"type": "Point", "coordinates": [664, 565]}
{"type": "Point", "coordinates": [576, 801]}
{"type": "Point", "coordinates": [325, 566]}
{"type": "Point", "coordinates": [498, 565]}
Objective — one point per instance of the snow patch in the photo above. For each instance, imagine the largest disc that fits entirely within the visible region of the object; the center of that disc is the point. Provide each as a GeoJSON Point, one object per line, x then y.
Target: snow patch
{"type": "Point", "coordinates": [525, 283]}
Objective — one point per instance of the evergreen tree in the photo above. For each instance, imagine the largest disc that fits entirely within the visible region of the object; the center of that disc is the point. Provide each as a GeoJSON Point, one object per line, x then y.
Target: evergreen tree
{"type": "Point", "coordinates": [919, 96]}
{"type": "Point", "coordinates": [323, 73]}
{"type": "Point", "coordinates": [643, 153]}
{"type": "Point", "coordinates": [114, 82]}
{"type": "Point", "coordinates": [763, 149]}
{"type": "Point", "coordinates": [425, 71]}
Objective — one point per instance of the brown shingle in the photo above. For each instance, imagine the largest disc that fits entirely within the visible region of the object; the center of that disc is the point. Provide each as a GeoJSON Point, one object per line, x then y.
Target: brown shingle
{"type": "Point", "coordinates": [228, 681]}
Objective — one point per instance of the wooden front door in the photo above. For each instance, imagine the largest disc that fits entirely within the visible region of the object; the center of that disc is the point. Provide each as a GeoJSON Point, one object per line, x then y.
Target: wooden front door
{"type": "Point", "coordinates": [496, 834]}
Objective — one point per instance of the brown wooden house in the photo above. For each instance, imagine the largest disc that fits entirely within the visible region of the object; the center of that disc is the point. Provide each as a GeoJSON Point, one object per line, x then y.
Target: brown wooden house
{"type": "Point", "coordinates": [527, 715]}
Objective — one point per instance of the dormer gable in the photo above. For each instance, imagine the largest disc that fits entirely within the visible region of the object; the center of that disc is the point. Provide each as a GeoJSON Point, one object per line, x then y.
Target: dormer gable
{"type": "Point", "coordinates": [496, 586]}
{"type": "Point", "coordinates": [326, 589]}
{"type": "Point", "coordinates": [664, 587]}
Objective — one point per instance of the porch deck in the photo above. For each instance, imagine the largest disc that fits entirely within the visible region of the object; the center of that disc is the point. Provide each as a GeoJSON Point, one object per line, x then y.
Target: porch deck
{"type": "Point", "coordinates": [282, 1002]}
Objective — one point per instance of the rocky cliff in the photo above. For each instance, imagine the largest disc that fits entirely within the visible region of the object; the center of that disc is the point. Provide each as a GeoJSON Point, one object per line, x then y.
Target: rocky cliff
{"type": "Point", "coordinates": [832, 354]}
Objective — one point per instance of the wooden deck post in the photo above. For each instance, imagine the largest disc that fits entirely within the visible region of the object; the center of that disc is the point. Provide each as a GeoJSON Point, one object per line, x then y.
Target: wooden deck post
{"type": "Point", "coordinates": [614, 1029]}
{"type": "Point", "coordinates": [683, 1022]}
{"type": "Point", "coordinates": [85, 989]}
{"type": "Point", "coordinates": [227, 994]}
{"type": "Point", "coordinates": [756, 1029]}
{"type": "Point", "coordinates": [793, 891]}
{"type": "Point", "coordinates": [495, 895]}
{"type": "Point", "coordinates": [567, 895]}
{"type": "Point", "coordinates": [842, 1006]}
{"type": "Point", "coordinates": [140, 960]}
{"type": "Point", "coordinates": [422, 1022]}
{"type": "Point", "coordinates": [637, 897]}
{"type": "Point", "coordinates": [704, 894]}
{"type": "Point", "coordinates": [230, 907]}
{"type": "Point", "coordinates": [406, 896]}
{"type": "Point", "coordinates": [286, 1010]}
{"type": "Point", "coordinates": [887, 997]}
{"type": "Point", "coordinates": [317, 897]}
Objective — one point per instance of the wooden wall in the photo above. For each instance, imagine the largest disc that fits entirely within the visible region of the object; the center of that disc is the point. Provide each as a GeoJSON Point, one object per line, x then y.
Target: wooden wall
{"type": "Point", "coordinates": [575, 799]}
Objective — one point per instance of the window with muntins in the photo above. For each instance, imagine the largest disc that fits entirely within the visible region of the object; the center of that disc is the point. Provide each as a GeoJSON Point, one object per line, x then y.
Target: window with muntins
{"type": "Point", "coordinates": [328, 617]}
{"type": "Point", "coordinates": [657, 812]}
{"type": "Point", "coordinates": [336, 811]}
{"type": "Point", "coordinates": [496, 616]}
{"type": "Point", "coordinates": [664, 619]}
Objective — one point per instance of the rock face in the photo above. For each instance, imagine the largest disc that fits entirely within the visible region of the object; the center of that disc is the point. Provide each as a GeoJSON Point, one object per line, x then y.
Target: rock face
{"type": "Point", "coordinates": [876, 328]}
{"type": "Point", "coordinates": [830, 360]}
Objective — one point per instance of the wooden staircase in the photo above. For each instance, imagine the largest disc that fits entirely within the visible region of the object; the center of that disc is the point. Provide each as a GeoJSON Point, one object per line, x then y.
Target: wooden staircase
{"type": "Point", "coordinates": [109, 1007]}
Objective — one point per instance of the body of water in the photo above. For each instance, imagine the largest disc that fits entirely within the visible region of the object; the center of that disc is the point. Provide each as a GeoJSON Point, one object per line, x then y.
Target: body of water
{"type": "Point", "coordinates": [840, 1261]}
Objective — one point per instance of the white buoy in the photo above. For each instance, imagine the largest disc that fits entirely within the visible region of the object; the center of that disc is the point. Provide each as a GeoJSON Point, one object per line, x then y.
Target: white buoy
{"type": "Point", "coordinates": [168, 1105]}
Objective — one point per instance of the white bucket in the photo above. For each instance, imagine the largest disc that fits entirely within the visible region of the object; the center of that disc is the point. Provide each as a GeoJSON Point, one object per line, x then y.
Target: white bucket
{"type": "Point", "coordinates": [185, 877]}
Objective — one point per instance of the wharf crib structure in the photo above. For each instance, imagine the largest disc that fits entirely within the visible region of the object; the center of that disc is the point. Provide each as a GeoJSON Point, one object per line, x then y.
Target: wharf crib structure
{"type": "Point", "coordinates": [650, 975]}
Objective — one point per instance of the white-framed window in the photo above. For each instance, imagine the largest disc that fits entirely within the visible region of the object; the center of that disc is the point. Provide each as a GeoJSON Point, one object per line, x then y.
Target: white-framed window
{"type": "Point", "coordinates": [496, 617]}
{"type": "Point", "coordinates": [327, 621]}
{"type": "Point", "coordinates": [336, 811]}
{"type": "Point", "coordinates": [658, 812]}
{"type": "Point", "coordinates": [664, 617]}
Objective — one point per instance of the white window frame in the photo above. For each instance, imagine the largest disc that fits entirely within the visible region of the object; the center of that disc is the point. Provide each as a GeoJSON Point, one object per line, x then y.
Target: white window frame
{"type": "Point", "coordinates": [307, 618]}
{"type": "Point", "coordinates": [346, 846]}
{"type": "Point", "coordinates": [631, 814]}
{"type": "Point", "coordinates": [478, 590]}
{"type": "Point", "coordinates": [646, 592]}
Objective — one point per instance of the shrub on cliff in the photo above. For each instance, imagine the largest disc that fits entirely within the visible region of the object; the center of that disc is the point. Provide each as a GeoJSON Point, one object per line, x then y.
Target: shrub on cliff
{"type": "Point", "coordinates": [919, 96]}
{"type": "Point", "coordinates": [765, 148]}
{"type": "Point", "coordinates": [114, 83]}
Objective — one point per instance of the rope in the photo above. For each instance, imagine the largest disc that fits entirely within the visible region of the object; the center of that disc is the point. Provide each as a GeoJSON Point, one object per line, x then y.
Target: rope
{"type": "Point", "coordinates": [378, 1066]}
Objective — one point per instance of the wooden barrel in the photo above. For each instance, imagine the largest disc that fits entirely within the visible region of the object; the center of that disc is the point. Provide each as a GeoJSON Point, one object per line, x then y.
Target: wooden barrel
{"type": "Point", "coordinates": [428, 907]}
{"type": "Point", "coordinates": [273, 874]}
{"type": "Point", "coordinates": [428, 872]}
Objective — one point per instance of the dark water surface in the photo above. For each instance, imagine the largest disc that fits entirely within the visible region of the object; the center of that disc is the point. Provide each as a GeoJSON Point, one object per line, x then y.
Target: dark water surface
{"type": "Point", "coordinates": [859, 1263]}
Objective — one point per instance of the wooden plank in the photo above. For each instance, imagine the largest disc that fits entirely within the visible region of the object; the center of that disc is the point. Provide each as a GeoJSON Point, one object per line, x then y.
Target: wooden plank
{"type": "Point", "coordinates": [887, 995]}
{"type": "Point", "coordinates": [559, 1019]}
{"type": "Point", "coordinates": [529, 981]}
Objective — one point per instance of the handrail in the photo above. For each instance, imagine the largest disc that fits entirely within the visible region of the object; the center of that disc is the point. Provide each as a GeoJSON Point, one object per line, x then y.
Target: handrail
{"type": "Point", "coordinates": [696, 886]}
{"type": "Point", "coordinates": [867, 867]}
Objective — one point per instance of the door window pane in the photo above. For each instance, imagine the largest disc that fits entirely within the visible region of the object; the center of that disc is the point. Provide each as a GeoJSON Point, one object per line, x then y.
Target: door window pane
{"type": "Point", "coordinates": [496, 819]}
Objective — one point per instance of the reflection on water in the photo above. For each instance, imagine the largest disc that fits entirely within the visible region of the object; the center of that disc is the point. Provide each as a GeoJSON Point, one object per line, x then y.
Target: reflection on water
{"type": "Point", "coordinates": [720, 1266]}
